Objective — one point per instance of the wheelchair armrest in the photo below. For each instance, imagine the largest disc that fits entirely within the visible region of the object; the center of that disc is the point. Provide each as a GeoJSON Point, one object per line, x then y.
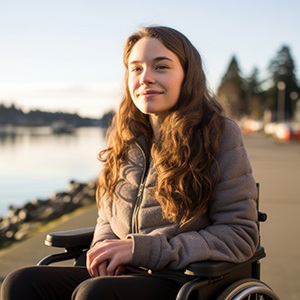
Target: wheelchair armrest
{"type": "Point", "coordinates": [71, 239]}
{"type": "Point", "coordinates": [219, 268]}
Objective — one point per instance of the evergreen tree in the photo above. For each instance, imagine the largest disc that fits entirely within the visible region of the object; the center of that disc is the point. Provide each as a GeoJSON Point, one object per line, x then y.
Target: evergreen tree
{"type": "Point", "coordinates": [254, 95]}
{"type": "Point", "coordinates": [285, 89]}
{"type": "Point", "coordinates": [231, 92]}
{"type": "Point", "coordinates": [10, 114]}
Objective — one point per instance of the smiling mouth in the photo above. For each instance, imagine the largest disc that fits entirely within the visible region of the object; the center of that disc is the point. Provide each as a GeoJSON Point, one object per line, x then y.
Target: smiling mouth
{"type": "Point", "coordinates": [149, 93]}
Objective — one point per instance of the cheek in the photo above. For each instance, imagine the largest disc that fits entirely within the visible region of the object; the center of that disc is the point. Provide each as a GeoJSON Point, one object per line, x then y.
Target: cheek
{"type": "Point", "coordinates": [176, 86]}
{"type": "Point", "coordinates": [130, 87]}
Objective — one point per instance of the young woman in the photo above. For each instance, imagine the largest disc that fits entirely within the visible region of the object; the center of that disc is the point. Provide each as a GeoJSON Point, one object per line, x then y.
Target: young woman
{"type": "Point", "coordinates": [177, 185]}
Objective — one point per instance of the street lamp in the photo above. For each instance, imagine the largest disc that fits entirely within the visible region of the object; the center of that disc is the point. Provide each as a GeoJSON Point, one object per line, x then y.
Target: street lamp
{"type": "Point", "coordinates": [281, 101]}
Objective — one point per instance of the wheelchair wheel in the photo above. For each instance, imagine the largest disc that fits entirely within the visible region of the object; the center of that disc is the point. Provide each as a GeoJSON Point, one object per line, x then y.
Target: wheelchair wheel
{"type": "Point", "coordinates": [248, 289]}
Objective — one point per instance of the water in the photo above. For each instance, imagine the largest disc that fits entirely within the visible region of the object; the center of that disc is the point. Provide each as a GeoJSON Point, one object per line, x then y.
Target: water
{"type": "Point", "coordinates": [36, 163]}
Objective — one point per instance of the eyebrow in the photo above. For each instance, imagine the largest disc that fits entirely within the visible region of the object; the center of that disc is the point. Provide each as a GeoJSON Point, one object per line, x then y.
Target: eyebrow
{"type": "Point", "coordinates": [156, 59]}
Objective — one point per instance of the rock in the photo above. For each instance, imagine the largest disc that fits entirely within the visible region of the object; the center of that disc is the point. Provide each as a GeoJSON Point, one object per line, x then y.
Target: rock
{"type": "Point", "coordinates": [21, 221]}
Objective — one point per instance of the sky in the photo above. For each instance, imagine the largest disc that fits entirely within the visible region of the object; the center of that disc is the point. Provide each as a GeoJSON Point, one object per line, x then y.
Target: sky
{"type": "Point", "coordinates": [66, 55]}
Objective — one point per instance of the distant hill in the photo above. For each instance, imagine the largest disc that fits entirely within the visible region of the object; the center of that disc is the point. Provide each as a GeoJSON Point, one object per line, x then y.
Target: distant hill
{"type": "Point", "coordinates": [11, 115]}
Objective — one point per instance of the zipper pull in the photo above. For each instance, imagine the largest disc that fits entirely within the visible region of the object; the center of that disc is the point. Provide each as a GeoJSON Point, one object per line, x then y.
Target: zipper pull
{"type": "Point", "coordinates": [141, 189]}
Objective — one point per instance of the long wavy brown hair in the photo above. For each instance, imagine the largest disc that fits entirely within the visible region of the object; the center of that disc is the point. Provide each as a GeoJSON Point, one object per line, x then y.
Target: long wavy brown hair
{"type": "Point", "coordinates": [186, 149]}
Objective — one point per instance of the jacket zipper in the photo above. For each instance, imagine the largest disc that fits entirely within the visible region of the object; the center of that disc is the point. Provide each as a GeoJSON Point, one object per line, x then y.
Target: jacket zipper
{"type": "Point", "coordinates": [134, 222]}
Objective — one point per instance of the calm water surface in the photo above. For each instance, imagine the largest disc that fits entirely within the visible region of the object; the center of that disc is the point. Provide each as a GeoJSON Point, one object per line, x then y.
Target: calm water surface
{"type": "Point", "coordinates": [35, 163]}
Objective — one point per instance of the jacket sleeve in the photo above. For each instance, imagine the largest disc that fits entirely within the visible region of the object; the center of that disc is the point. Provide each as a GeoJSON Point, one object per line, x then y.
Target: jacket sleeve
{"type": "Point", "coordinates": [103, 230]}
{"type": "Point", "coordinates": [232, 234]}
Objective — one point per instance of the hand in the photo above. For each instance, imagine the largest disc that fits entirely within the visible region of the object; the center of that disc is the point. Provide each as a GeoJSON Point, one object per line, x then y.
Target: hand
{"type": "Point", "coordinates": [109, 257]}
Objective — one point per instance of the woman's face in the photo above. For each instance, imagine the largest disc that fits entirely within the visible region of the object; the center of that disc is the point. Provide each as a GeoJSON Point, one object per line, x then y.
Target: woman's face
{"type": "Point", "coordinates": [155, 76]}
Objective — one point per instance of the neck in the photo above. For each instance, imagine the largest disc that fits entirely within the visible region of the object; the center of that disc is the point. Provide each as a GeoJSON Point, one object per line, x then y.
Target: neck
{"type": "Point", "coordinates": [155, 123]}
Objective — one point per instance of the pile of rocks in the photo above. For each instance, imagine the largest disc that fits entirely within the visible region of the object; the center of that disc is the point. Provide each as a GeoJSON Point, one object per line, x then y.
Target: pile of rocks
{"type": "Point", "coordinates": [21, 221]}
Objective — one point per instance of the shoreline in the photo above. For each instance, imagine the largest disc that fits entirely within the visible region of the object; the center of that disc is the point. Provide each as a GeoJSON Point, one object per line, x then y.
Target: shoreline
{"type": "Point", "coordinates": [32, 249]}
{"type": "Point", "coordinates": [46, 227]}
{"type": "Point", "coordinates": [23, 221]}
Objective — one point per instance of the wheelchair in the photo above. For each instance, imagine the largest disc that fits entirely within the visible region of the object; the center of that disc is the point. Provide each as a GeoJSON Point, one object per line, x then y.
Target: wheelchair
{"type": "Point", "coordinates": [212, 280]}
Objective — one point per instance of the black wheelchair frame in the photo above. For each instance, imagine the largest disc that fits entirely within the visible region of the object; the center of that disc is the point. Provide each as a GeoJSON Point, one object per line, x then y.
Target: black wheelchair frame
{"type": "Point", "coordinates": [215, 280]}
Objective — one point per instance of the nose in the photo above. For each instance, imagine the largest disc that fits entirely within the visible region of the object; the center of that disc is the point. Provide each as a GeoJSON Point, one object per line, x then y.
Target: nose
{"type": "Point", "coordinates": [147, 77]}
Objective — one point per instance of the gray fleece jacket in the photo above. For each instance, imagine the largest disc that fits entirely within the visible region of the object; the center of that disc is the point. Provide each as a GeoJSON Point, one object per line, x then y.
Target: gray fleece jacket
{"type": "Point", "coordinates": [228, 232]}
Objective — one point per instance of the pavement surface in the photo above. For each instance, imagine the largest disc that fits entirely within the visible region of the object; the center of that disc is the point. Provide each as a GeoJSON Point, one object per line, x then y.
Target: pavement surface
{"type": "Point", "coordinates": [276, 167]}
{"type": "Point", "coordinates": [32, 250]}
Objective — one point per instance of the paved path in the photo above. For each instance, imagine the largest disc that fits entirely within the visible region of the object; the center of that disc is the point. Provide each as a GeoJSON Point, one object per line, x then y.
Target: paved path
{"type": "Point", "coordinates": [277, 168]}
{"type": "Point", "coordinates": [32, 250]}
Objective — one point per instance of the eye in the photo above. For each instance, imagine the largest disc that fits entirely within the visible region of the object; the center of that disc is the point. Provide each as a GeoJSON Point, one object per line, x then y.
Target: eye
{"type": "Point", "coordinates": [135, 69]}
{"type": "Point", "coordinates": [161, 67]}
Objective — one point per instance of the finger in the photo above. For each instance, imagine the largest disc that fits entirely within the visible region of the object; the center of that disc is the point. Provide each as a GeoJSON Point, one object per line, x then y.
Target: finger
{"type": "Point", "coordinates": [111, 267]}
{"type": "Point", "coordinates": [115, 267]}
{"type": "Point", "coordinates": [96, 263]}
{"type": "Point", "coordinates": [120, 270]}
{"type": "Point", "coordinates": [102, 269]}
{"type": "Point", "coordinates": [96, 270]}
{"type": "Point", "coordinates": [90, 256]}
{"type": "Point", "coordinates": [93, 270]}
{"type": "Point", "coordinates": [89, 265]}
